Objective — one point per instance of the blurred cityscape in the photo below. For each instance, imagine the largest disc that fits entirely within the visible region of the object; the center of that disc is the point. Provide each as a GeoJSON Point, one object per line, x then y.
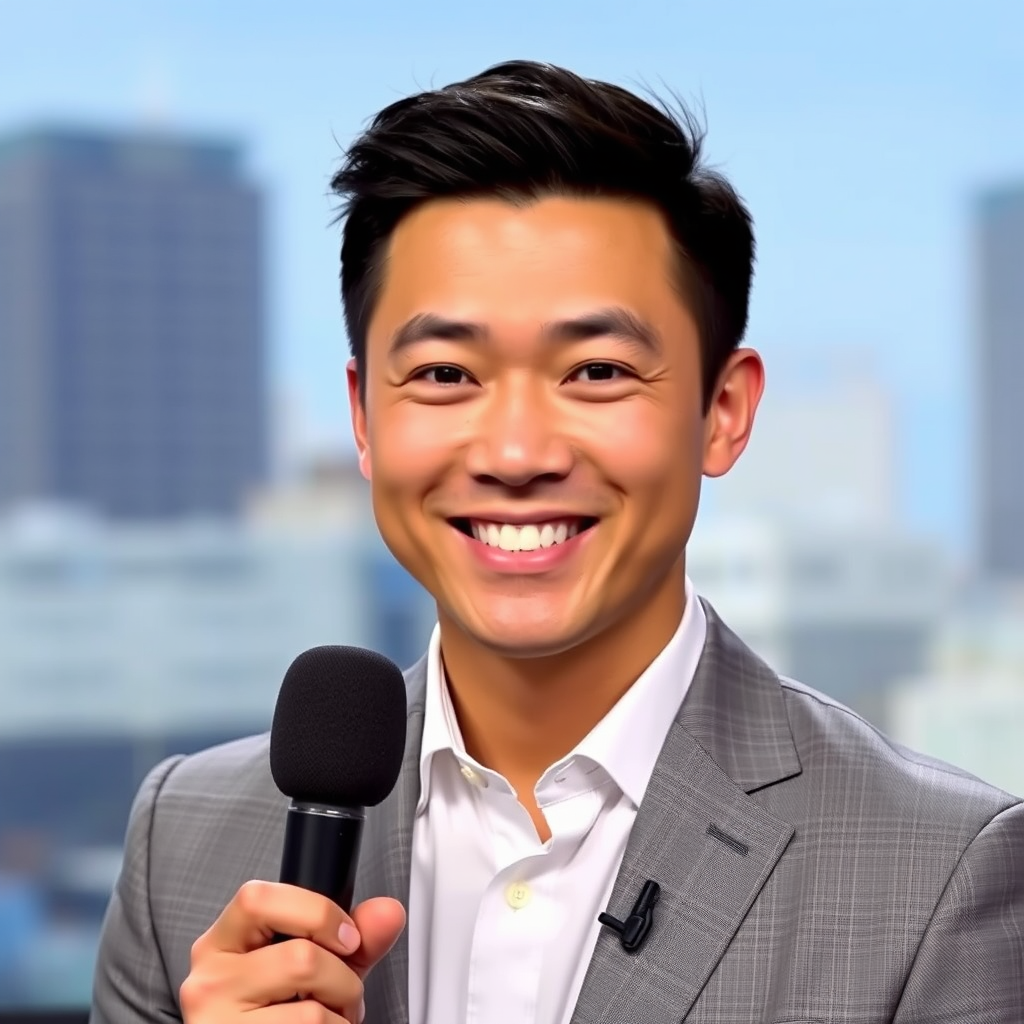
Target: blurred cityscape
{"type": "Point", "coordinates": [164, 554]}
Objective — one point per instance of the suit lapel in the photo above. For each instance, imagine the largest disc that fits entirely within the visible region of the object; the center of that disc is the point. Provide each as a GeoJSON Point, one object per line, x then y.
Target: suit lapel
{"type": "Point", "coordinates": [385, 869]}
{"type": "Point", "coordinates": [700, 835]}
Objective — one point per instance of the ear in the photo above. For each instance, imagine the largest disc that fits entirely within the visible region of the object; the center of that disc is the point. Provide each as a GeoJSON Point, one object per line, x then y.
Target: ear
{"type": "Point", "coordinates": [730, 416]}
{"type": "Point", "coordinates": [359, 429]}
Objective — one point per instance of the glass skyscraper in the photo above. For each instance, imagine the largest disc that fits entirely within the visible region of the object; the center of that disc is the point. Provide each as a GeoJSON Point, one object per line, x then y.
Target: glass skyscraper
{"type": "Point", "coordinates": [132, 362]}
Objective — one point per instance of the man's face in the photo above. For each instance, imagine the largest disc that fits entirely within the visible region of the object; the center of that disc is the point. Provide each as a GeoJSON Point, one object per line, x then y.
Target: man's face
{"type": "Point", "coordinates": [533, 428]}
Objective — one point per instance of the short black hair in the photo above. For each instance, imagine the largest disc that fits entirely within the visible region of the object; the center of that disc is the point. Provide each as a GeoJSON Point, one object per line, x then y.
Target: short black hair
{"type": "Point", "coordinates": [523, 130]}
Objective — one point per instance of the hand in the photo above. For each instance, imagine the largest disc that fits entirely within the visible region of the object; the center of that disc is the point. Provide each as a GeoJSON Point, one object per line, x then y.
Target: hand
{"type": "Point", "coordinates": [238, 970]}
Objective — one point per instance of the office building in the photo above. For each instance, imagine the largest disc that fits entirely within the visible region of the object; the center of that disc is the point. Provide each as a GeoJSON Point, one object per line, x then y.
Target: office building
{"type": "Point", "coordinates": [822, 449]}
{"type": "Point", "coordinates": [847, 610]}
{"type": "Point", "coordinates": [132, 362]}
{"type": "Point", "coordinates": [966, 706]}
{"type": "Point", "coordinates": [154, 630]}
{"type": "Point", "coordinates": [999, 344]}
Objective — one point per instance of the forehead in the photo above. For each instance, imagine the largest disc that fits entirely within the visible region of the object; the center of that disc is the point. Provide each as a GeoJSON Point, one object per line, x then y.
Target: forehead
{"type": "Point", "coordinates": [481, 257]}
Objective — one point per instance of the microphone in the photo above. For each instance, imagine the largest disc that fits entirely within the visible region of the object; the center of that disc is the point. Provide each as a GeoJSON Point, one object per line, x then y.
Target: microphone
{"type": "Point", "coordinates": [336, 747]}
{"type": "Point", "coordinates": [634, 930]}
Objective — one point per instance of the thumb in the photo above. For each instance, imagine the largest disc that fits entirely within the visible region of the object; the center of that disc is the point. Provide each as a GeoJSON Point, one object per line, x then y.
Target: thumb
{"type": "Point", "coordinates": [380, 921]}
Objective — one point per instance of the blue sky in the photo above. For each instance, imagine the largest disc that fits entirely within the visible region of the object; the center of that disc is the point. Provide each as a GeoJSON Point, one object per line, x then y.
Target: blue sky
{"type": "Point", "coordinates": [859, 133]}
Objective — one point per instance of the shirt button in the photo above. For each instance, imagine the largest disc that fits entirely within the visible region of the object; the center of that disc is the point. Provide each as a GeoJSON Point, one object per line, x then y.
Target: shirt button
{"type": "Point", "coordinates": [517, 895]}
{"type": "Point", "coordinates": [471, 776]}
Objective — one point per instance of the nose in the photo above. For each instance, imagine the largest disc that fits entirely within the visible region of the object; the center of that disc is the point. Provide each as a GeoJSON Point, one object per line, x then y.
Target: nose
{"type": "Point", "coordinates": [518, 439]}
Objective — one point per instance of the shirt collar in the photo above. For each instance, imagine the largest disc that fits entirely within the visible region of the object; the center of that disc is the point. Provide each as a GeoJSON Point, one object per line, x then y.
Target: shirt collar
{"type": "Point", "coordinates": [441, 730]}
{"type": "Point", "coordinates": [626, 743]}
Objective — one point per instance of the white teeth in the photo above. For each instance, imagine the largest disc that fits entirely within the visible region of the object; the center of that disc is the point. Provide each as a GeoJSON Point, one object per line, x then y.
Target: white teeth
{"type": "Point", "coordinates": [528, 537]}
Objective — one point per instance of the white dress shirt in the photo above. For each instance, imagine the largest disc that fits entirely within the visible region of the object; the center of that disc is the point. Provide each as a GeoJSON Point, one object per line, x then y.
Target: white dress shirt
{"type": "Point", "coordinates": [502, 926]}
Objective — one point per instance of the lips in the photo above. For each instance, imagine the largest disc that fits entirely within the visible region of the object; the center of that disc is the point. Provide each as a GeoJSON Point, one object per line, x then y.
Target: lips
{"type": "Point", "coordinates": [513, 537]}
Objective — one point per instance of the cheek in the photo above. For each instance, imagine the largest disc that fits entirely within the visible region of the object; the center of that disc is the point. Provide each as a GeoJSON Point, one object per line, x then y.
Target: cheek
{"type": "Point", "coordinates": [405, 446]}
{"type": "Point", "coordinates": [407, 461]}
{"type": "Point", "coordinates": [646, 451]}
{"type": "Point", "coordinates": [412, 453]}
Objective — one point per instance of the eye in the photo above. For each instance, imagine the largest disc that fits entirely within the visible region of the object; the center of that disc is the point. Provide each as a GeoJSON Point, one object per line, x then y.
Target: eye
{"type": "Point", "coordinates": [446, 376]}
{"type": "Point", "coordinates": [596, 372]}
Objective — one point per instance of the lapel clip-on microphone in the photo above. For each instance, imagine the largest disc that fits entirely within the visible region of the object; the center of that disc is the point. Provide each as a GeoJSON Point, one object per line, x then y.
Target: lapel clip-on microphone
{"type": "Point", "coordinates": [633, 931]}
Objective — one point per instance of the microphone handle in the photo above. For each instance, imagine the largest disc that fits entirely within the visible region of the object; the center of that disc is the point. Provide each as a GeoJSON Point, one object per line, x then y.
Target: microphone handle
{"type": "Point", "coordinates": [321, 851]}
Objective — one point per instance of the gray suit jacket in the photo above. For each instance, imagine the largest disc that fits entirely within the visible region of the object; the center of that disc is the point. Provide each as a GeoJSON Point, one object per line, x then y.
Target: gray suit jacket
{"type": "Point", "coordinates": [811, 871]}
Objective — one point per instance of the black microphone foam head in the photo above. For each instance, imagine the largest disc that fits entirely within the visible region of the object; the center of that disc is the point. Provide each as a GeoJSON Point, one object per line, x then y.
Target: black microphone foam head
{"type": "Point", "coordinates": [339, 728]}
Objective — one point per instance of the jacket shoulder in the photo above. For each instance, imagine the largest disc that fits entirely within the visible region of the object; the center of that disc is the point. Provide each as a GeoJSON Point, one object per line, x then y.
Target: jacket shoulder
{"type": "Point", "coordinates": [230, 773]}
{"type": "Point", "coordinates": [893, 781]}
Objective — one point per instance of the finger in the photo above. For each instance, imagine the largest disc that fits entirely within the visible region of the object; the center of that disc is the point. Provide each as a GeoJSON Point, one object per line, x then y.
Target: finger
{"type": "Point", "coordinates": [306, 1012]}
{"type": "Point", "coordinates": [298, 967]}
{"type": "Point", "coordinates": [379, 921]}
{"type": "Point", "coordinates": [260, 910]}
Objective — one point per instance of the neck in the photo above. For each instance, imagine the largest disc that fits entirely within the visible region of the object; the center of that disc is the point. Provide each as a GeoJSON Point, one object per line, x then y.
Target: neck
{"type": "Point", "coordinates": [518, 716]}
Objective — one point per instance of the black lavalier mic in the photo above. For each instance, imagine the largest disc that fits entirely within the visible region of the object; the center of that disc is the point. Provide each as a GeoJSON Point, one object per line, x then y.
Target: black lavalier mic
{"type": "Point", "coordinates": [336, 748]}
{"type": "Point", "coordinates": [634, 930]}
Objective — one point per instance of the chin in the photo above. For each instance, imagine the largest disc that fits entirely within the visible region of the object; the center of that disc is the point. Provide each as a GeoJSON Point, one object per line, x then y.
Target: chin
{"type": "Point", "coordinates": [518, 637]}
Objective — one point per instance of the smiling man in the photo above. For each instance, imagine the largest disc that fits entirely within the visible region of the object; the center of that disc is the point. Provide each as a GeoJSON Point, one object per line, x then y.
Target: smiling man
{"type": "Point", "coordinates": [546, 294]}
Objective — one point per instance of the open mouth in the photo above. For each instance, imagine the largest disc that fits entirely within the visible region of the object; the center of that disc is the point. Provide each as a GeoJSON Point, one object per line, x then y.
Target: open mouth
{"type": "Point", "coordinates": [524, 536]}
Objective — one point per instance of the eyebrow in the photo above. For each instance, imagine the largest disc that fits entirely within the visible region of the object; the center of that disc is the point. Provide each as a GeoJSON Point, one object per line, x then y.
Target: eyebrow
{"type": "Point", "coordinates": [612, 321]}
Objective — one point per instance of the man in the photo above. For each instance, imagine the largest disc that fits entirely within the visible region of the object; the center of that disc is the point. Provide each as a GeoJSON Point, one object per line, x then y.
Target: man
{"type": "Point", "coordinates": [545, 294]}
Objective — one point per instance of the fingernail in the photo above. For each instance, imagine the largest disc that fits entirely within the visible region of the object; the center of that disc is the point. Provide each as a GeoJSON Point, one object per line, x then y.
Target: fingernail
{"type": "Point", "coordinates": [348, 936]}
{"type": "Point", "coordinates": [361, 1016]}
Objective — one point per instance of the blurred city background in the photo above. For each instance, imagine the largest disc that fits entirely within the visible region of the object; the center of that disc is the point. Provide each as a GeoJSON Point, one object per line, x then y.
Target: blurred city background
{"type": "Point", "coordinates": [179, 510]}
